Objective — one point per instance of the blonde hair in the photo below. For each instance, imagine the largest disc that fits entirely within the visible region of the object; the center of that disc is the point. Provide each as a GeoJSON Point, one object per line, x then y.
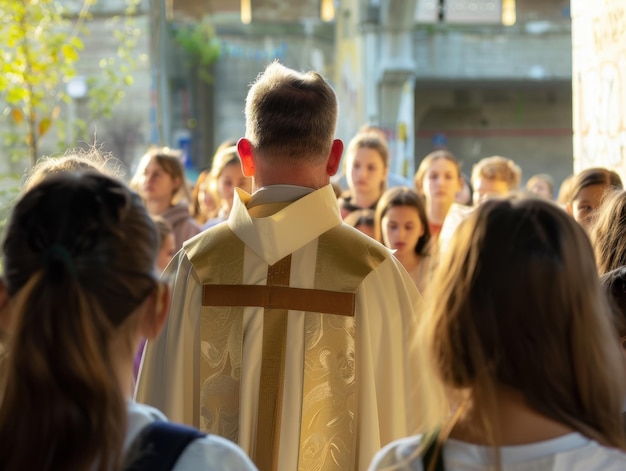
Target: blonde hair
{"type": "Point", "coordinates": [74, 160]}
{"type": "Point", "coordinates": [608, 232]}
{"type": "Point", "coordinates": [519, 306]}
{"type": "Point", "coordinates": [498, 168]}
{"type": "Point", "coordinates": [425, 164]}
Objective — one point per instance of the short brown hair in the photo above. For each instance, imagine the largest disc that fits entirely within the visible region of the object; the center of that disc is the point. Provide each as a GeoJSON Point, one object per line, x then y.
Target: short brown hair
{"type": "Point", "coordinates": [291, 116]}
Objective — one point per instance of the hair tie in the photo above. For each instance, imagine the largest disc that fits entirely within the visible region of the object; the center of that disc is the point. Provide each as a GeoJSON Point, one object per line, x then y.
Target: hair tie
{"type": "Point", "coordinates": [60, 253]}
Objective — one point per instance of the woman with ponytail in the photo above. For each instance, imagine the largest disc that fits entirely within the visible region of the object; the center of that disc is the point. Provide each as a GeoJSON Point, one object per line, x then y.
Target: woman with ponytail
{"type": "Point", "coordinates": [79, 256]}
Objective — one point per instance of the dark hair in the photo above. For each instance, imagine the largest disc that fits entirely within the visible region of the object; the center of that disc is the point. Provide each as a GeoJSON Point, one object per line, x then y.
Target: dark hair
{"type": "Point", "coordinates": [79, 258]}
{"type": "Point", "coordinates": [360, 217]}
{"type": "Point", "coordinates": [401, 196]}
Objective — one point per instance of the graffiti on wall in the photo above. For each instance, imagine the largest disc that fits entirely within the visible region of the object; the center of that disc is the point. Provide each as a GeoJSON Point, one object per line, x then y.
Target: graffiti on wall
{"type": "Point", "coordinates": [599, 83]}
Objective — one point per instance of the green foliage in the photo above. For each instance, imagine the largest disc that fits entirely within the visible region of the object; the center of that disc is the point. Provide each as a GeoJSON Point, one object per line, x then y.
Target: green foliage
{"type": "Point", "coordinates": [37, 55]}
{"type": "Point", "coordinates": [202, 47]}
{"type": "Point", "coordinates": [41, 51]}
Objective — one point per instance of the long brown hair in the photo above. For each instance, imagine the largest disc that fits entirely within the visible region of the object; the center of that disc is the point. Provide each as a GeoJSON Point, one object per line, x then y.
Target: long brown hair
{"type": "Point", "coordinates": [608, 232]}
{"type": "Point", "coordinates": [79, 259]}
{"type": "Point", "coordinates": [519, 305]}
{"type": "Point", "coordinates": [170, 161]}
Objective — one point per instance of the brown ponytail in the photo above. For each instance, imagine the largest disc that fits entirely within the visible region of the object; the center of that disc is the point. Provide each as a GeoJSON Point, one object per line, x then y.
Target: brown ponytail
{"type": "Point", "coordinates": [79, 255]}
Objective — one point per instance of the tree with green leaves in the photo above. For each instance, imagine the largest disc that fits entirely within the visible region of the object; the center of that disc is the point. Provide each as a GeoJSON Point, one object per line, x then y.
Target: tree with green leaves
{"type": "Point", "coordinates": [41, 51]}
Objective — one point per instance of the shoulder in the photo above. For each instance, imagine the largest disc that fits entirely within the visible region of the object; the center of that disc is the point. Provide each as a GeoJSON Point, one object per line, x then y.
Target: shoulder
{"type": "Point", "coordinates": [213, 453]}
{"type": "Point", "coordinates": [591, 457]}
{"type": "Point", "coordinates": [401, 454]}
{"type": "Point", "coordinates": [140, 415]}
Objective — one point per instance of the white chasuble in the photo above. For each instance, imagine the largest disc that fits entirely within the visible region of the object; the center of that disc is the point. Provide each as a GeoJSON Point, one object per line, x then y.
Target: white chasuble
{"type": "Point", "coordinates": [289, 335]}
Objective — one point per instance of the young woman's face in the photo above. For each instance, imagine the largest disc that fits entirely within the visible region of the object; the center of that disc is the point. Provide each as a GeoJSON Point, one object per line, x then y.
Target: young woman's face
{"type": "Point", "coordinates": [157, 184]}
{"type": "Point", "coordinates": [167, 251]}
{"type": "Point", "coordinates": [586, 203]}
{"type": "Point", "coordinates": [401, 229]}
{"type": "Point", "coordinates": [441, 182]}
{"type": "Point", "coordinates": [367, 171]}
{"type": "Point", "coordinates": [231, 177]}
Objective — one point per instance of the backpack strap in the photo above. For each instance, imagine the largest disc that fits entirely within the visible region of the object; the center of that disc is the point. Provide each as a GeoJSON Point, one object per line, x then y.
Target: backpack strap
{"type": "Point", "coordinates": [159, 445]}
{"type": "Point", "coordinates": [432, 459]}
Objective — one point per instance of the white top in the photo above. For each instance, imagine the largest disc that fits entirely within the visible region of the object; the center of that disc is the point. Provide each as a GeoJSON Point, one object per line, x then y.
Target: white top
{"type": "Point", "coordinates": [571, 452]}
{"type": "Point", "coordinates": [209, 453]}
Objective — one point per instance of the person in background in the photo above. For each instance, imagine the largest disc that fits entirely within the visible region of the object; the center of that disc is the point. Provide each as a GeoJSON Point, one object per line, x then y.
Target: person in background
{"type": "Point", "coordinates": [587, 191]}
{"type": "Point", "coordinates": [542, 185]}
{"type": "Point", "coordinates": [393, 179]}
{"type": "Point", "coordinates": [465, 197]}
{"type": "Point", "coordinates": [564, 189]}
{"type": "Point", "coordinates": [78, 261]}
{"type": "Point", "coordinates": [494, 176]}
{"type": "Point", "coordinates": [203, 202]}
{"type": "Point", "coordinates": [226, 175]}
{"type": "Point", "coordinates": [167, 250]}
{"type": "Point", "coordinates": [318, 377]}
{"type": "Point", "coordinates": [438, 179]}
{"type": "Point", "coordinates": [522, 371]}
{"type": "Point", "coordinates": [160, 180]}
{"type": "Point", "coordinates": [362, 220]}
{"type": "Point", "coordinates": [367, 165]}
{"type": "Point", "coordinates": [402, 225]}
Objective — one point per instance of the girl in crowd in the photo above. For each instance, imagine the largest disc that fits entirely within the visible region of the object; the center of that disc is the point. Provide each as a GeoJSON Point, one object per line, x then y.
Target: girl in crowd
{"type": "Point", "coordinates": [586, 192]}
{"type": "Point", "coordinates": [203, 202]}
{"type": "Point", "coordinates": [465, 196]}
{"type": "Point", "coordinates": [517, 345]}
{"type": "Point", "coordinates": [160, 179]}
{"type": "Point", "coordinates": [608, 232]}
{"type": "Point", "coordinates": [542, 185]}
{"type": "Point", "coordinates": [167, 243]}
{"type": "Point", "coordinates": [401, 224]}
{"type": "Point", "coordinates": [226, 174]}
{"type": "Point", "coordinates": [79, 258]}
{"type": "Point", "coordinates": [438, 179]}
{"type": "Point", "coordinates": [367, 164]}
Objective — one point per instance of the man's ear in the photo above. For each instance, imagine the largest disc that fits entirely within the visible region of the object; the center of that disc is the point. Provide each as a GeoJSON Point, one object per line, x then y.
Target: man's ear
{"type": "Point", "coordinates": [244, 148]}
{"type": "Point", "coordinates": [334, 159]}
{"type": "Point", "coordinates": [156, 314]}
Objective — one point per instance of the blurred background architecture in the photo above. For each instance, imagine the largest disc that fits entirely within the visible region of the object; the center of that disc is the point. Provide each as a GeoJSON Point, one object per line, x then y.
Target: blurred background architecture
{"type": "Point", "coordinates": [480, 77]}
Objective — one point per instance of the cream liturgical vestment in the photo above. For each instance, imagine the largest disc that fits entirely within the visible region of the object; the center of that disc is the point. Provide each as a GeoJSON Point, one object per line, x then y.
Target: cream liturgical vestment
{"type": "Point", "coordinates": [289, 334]}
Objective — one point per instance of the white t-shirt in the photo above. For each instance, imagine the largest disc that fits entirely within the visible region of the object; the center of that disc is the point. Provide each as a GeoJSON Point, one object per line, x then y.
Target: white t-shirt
{"type": "Point", "coordinates": [210, 453]}
{"type": "Point", "coordinates": [571, 452]}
